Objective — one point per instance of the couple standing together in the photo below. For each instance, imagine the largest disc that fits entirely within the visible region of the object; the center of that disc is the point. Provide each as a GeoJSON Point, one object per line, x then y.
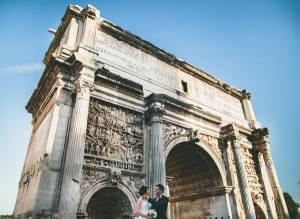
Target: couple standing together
{"type": "Point", "coordinates": [148, 208]}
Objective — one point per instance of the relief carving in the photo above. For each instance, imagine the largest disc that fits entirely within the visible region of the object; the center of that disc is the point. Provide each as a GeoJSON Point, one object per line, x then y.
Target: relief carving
{"type": "Point", "coordinates": [90, 176]}
{"type": "Point", "coordinates": [114, 136]}
{"type": "Point", "coordinates": [212, 141]}
{"type": "Point", "coordinates": [171, 131]}
{"type": "Point", "coordinates": [252, 177]}
{"type": "Point", "coordinates": [31, 172]}
{"type": "Point", "coordinates": [133, 182]}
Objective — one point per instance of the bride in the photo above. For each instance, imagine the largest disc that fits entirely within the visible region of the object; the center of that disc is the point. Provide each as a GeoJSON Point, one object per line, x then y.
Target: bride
{"type": "Point", "coordinates": [142, 206]}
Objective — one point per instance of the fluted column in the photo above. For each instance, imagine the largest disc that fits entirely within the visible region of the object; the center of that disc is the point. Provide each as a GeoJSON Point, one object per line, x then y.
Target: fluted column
{"type": "Point", "coordinates": [157, 170]}
{"type": "Point", "coordinates": [262, 143]}
{"type": "Point", "coordinates": [70, 189]}
{"type": "Point", "coordinates": [234, 138]}
{"type": "Point", "coordinates": [267, 187]}
{"type": "Point", "coordinates": [231, 179]}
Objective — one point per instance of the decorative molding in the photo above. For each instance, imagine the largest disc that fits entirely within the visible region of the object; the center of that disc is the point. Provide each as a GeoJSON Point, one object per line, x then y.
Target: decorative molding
{"type": "Point", "coordinates": [104, 76]}
{"type": "Point", "coordinates": [216, 191]}
{"type": "Point", "coordinates": [172, 131]}
{"type": "Point", "coordinates": [51, 78]}
{"type": "Point", "coordinates": [73, 11]}
{"type": "Point", "coordinates": [173, 104]}
{"type": "Point", "coordinates": [161, 54]}
{"type": "Point", "coordinates": [230, 132]}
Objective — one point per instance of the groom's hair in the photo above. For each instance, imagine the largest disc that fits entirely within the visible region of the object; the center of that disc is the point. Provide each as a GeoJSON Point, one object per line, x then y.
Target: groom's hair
{"type": "Point", "coordinates": [161, 187]}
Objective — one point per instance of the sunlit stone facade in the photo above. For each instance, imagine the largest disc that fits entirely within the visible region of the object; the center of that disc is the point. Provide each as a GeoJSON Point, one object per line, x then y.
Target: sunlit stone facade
{"type": "Point", "coordinates": [112, 112]}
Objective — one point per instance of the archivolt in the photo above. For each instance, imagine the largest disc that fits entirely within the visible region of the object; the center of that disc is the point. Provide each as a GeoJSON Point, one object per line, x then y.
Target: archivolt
{"type": "Point", "coordinates": [210, 149]}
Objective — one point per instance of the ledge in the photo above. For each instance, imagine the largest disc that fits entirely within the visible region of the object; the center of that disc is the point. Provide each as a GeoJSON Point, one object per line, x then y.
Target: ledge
{"type": "Point", "coordinates": [104, 76]}
{"type": "Point", "coordinates": [217, 191]}
{"type": "Point", "coordinates": [178, 105]}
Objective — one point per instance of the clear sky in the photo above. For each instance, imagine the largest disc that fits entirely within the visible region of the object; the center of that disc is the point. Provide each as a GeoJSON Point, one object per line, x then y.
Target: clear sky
{"type": "Point", "coordinates": [252, 45]}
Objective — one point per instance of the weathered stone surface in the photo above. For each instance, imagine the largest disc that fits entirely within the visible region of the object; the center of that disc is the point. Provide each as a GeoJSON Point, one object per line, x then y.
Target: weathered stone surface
{"type": "Point", "coordinates": [113, 112]}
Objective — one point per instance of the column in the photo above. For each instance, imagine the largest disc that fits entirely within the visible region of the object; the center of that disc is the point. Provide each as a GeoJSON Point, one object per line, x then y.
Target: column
{"type": "Point", "coordinates": [244, 186]}
{"type": "Point", "coordinates": [269, 196]}
{"type": "Point", "coordinates": [70, 189]}
{"type": "Point", "coordinates": [231, 180]}
{"type": "Point", "coordinates": [262, 143]}
{"type": "Point", "coordinates": [227, 198]}
{"type": "Point", "coordinates": [157, 170]}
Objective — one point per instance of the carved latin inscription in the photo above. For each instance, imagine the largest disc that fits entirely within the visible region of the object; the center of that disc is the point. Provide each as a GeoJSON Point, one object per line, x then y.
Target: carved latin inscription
{"type": "Point", "coordinates": [137, 61]}
{"type": "Point", "coordinates": [134, 60]}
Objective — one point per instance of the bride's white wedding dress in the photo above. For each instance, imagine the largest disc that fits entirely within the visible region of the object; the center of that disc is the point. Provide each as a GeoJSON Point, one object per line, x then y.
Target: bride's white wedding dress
{"type": "Point", "coordinates": [145, 207]}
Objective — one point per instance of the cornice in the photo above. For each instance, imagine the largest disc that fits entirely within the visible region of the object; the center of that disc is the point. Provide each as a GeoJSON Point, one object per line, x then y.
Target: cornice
{"type": "Point", "coordinates": [73, 11]}
{"type": "Point", "coordinates": [137, 42]}
{"type": "Point", "coordinates": [104, 76]}
{"type": "Point", "coordinates": [173, 104]}
{"type": "Point", "coordinates": [48, 80]}
{"type": "Point", "coordinates": [149, 48]}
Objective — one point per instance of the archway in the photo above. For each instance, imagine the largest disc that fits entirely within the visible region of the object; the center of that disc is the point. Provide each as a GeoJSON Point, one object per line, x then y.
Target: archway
{"type": "Point", "coordinates": [109, 202]}
{"type": "Point", "coordinates": [195, 185]}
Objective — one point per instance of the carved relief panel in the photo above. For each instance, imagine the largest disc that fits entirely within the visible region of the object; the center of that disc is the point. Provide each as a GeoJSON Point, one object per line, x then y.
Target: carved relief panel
{"type": "Point", "coordinates": [172, 131]}
{"type": "Point", "coordinates": [251, 164]}
{"type": "Point", "coordinates": [114, 137]}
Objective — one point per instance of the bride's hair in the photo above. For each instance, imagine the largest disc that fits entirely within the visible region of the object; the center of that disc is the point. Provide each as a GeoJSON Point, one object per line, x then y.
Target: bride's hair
{"type": "Point", "coordinates": [143, 190]}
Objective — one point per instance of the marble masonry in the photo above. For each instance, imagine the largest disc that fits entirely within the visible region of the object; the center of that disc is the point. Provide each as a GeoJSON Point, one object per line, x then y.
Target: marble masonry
{"type": "Point", "coordinates": [112, 112]}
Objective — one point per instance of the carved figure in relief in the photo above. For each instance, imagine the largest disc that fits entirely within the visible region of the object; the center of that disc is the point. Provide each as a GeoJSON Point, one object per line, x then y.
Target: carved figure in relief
{"type": "Point", "coordinates": [114, 133]}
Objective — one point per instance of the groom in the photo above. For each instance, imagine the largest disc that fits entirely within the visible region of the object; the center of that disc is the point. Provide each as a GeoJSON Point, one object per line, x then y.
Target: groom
{"type": "Point", "coordinates": [160, 202]}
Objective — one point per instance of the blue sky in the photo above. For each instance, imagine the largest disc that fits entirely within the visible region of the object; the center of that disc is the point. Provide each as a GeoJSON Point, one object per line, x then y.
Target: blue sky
{"type": "Point", "coordinates": [252, 45]}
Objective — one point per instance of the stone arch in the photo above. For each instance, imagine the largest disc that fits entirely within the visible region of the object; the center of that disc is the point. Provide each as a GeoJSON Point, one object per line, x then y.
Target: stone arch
{"type": "Point", "coordinates": [86, 197]}
{"type": "Point", "coordinates": [205, 146]}
{"type": "Point", "coordinates": [196, 179]}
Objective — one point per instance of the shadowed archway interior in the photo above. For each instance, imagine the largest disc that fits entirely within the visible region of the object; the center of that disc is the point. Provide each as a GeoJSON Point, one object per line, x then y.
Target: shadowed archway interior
{"type": "Point", "coordinates": [195, 184]}
{"type": "Point", "coordinates": [109, 203]}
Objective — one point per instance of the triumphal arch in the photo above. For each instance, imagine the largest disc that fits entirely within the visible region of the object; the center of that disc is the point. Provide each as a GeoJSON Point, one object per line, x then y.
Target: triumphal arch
{"type": "Point", "coordinates": [112, 112]}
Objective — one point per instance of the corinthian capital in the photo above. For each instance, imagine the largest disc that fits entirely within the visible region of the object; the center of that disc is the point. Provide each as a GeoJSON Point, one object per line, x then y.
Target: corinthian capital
{"type": "Point", "coordinates": [156, 108]}
{"type": "Point", "coordinates": [230, 132]}
{"type": "Point", "coordinates": [260, 134]}
{"type": "Point", "coordinates": [83, 89]}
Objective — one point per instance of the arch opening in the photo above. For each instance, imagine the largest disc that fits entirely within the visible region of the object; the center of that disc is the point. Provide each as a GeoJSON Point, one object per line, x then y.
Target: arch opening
{"type": "Point", "coordinates": [109, 202]}
{"type": "Point", "coordinates": [195, 185]}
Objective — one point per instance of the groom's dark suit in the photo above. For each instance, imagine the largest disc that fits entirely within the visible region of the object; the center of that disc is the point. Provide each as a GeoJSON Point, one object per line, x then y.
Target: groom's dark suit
{"type": "Point", "coordinates": [160, 204]}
